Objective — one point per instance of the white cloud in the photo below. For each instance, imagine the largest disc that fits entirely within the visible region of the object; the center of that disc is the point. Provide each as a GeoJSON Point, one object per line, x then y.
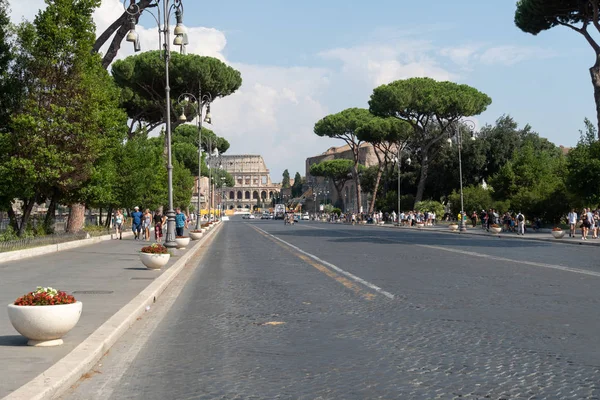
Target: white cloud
{"type": "Point", "coordinates": [25, 9]}
{"type": "Point", "coordinates": [510, 55]}
{"type": "Point", "coordinates": [461, 55]}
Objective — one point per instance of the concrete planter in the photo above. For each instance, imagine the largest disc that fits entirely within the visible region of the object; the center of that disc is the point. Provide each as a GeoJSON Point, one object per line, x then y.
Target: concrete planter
{"type": "Point", "coordinates": [453, 227]}
{"type": "Point", "coordinates": [420, 225]}
{"type": "Point", "coordinates": [196, 235]}
{"type": "Point", "coordinates": [495, 230]}
{"type": "Point", "coordinates": [44, 326]}
{"type": "Point", "coordinates": [154, 261]}
{"type": "Point", "coordinates": [558, 234]}
{"type": "Point", "coordinates": [182, 242]}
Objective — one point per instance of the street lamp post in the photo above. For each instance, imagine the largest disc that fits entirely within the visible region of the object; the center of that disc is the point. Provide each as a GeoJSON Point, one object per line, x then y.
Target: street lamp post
{"type": "Point", "coordinates": [180, 40]}
{"type": "Point", "coordinates": [398, 160]}
{"type": "Point", "coordinates": [471, 125]}
{"type": "Point", "coordinates": [200, 101]}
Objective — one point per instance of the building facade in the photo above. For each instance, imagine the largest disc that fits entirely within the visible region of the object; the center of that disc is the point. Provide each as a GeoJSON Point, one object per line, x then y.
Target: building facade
{"type": "Point", "coordinates": [253, 186]}
{"type": "Point", "coordinates": [325, 191]}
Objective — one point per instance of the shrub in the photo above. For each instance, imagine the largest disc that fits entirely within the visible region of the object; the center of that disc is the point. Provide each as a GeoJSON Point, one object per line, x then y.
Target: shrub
{"type": "Point", "coordinates": [45, 296]}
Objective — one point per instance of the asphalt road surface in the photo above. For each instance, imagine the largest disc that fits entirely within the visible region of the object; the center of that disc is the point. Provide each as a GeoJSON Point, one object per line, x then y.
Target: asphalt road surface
{"type": "Point", "coordinates": [330, 311]}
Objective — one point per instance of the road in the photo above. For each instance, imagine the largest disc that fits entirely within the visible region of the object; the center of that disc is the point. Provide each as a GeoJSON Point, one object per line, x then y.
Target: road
{"type": "Point", "coordinates": [330, 311]}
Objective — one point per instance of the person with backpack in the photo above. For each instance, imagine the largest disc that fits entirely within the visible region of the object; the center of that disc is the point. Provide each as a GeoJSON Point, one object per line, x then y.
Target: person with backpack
{"type": "Point", "coordinates": [520, 224]}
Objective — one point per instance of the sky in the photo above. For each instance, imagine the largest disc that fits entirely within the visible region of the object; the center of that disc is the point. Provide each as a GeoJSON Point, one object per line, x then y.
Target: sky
{"type": "Point", "coordinates": [301, 61]}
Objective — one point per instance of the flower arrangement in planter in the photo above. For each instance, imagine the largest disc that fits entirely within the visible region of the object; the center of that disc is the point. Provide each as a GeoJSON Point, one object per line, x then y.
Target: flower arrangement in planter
{"type": "Point", "coordinates": [558, 233]}
{"type": "Point", "coordinates": [495, 228]}
{"type": "Point", "coordinates": [44, 316]}
{"type": "Point", "coordinates": [155, 256]}
{"type": "Point", "coordinates": [182, 241]}
{"type": "Point", "coordinates": [196, 234]}
{"type": "Point", "coordinates": [453, 227]}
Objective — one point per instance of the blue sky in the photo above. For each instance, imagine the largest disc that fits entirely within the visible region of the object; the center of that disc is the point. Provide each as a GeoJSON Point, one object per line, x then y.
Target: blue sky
{"type": "Point", "coordinates": [303, 60]}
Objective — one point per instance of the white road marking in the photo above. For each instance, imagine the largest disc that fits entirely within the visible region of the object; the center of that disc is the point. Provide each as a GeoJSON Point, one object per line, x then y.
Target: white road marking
{"type": "Point", "coordinates": [496, 258]}
{"type": "Point", "coordinates": [335, 268]}
{"type": "Point", "coordinates": [490, 257]}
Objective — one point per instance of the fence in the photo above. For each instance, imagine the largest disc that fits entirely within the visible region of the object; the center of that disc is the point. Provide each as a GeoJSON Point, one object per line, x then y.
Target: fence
{"type": "Point", "coordinates": [26, 243]}
{"type": "Point", "coordinates": [60, 223]}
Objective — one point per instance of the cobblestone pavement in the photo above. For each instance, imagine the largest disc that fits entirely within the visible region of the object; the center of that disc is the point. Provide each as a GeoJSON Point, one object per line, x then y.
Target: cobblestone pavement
{"type": "Point", "coordinates": [470, 318]}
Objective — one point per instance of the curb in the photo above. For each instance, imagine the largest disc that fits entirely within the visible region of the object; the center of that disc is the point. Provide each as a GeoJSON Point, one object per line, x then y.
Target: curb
{"type": "Point", "coordinates": [59, 377]}
{"type": "Point", "coordinates": [53, 248]}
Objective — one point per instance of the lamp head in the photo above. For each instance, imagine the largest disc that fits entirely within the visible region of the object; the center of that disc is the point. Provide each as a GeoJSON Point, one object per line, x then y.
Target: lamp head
{"type": "Point", "coordinates": [182, 117]}
{"type": "Point", "coordinates": [449, 140]}
{"type": "Point", "coordinates": [408, 161]}
{"type": "Point", "coordinates": [208, 118]}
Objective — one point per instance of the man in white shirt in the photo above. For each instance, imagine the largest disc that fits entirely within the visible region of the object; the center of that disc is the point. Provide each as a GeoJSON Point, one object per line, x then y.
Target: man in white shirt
{"type": "Point", "coordinates": [520, 224]}
{"type": "Point", "coordinates": [572, 217]}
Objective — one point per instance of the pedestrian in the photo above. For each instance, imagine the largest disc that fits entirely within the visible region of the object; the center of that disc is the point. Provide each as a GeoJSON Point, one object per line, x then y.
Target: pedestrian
{"type": "Point", "coordinates": [159, 222]}
{"type": "Point", "coordinates": [180, 222]}
{"type": "Point", "coordinates": [136, 222]}
{"type": "Point", "coordinates": [520, 224]}
{"type": "Point", "coordinates": [119, 219]}
{"type": "Point", "coordinates": [572, 217]}
{"type": "Point", "coordinates": [474, 219]}
{"type": "Point", "coordinates": [146, 222]}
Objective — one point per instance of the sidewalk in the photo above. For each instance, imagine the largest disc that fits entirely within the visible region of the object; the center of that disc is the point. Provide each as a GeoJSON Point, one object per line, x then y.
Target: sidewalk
{"type": "Point", "coordinates": [544, 235]}
{"type": "Point", "coordinates": [105, 277]}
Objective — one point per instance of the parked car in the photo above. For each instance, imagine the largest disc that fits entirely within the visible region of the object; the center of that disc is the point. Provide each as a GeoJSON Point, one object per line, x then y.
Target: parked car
{"type": "Point", "coordinates": [305, 217]}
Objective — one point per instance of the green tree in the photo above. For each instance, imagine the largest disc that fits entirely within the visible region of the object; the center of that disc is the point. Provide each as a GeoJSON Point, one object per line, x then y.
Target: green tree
{"type": "Point", "coordinates": [583, 166]}
{"type": "Point", "coordinates": [344, 125]}
{"type": "Point", "coordinates": [285, 182]}
{"type": "Point", "coordinates": [339, 171]}
{"type": "Point", "coordinates": [142, 78]}
{"type": "Point", "coordinates": [475, 198]}
{"type": "Point", "coordinates": [386, 135]}
{"type": "Point", "coordinates": [535, 16]}
{"type": "Point", "coordinates": [69, 115]}
{"type": "Point", "coordinates": [431, 108]}
{"type": "Point", "coordinates": [297, 186]}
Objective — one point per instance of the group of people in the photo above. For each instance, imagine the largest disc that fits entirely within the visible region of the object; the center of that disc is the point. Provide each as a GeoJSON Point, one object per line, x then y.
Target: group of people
{"type": "Point", "coordinates": [509, 221]}
{"type": "Point", "coordinates": [588, 221]}
{"type": "Point", "coordinates": [142, 222]}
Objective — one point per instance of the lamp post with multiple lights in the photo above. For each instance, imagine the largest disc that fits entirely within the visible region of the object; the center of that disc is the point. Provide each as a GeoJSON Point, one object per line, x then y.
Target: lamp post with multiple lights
{"type": "Point", "coordinates": [200, 101]}
{"type": "Point", "coordinates": [398, 161]}
{"type": "Point", "coordinates": [471, 126]}
{"type": "Point", "coordinates": [181, 40]}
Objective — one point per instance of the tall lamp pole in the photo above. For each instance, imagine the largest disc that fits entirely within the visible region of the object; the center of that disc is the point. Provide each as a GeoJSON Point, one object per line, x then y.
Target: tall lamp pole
{"type": "Point", "coordinates": [181, 40]}
{"type": "Point", "coordinates": [398, 160]}
{"type": "Point", "coordinates": [471, 125]}
{"type": "Point", "coordinates": [200, 101]}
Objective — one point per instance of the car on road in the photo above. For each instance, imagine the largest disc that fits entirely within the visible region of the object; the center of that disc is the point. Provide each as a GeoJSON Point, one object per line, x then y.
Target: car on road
{"type": "Point", "coordinates": [251, 216]}
{"type": "Point", "coordinates": [305, 217]}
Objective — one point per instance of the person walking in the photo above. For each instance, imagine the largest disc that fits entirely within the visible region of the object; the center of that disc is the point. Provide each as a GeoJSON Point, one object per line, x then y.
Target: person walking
{"type": "Point", "coordinates": [136, 222]}
{"type": "Point", "coordinates": [146, 223]}
{"type": "Point", "coordinates": [119, 219]}
{"type": "Point", "coordinates": [159, 221]}
{"type": "Point", "coordinates": [572, 217]}
{"type": "Point", "coordinates": [520, 224]}
{"type": "Point", "coordinates": [180, 222]}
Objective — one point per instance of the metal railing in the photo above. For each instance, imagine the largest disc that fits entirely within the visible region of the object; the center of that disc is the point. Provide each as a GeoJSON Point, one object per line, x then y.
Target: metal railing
{"type": "Point", "coordinates": [26, 243]}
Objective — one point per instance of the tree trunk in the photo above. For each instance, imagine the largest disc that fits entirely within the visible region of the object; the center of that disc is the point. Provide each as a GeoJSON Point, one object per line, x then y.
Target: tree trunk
{"type": "Point", "coordinates": [423, 177]}
{"type": "Point", "coordinates": [595, 74]}
{"type": "Point", "coordinates": [13, 218]}
{"type": "Point", "coordinates": [377, 180]}
{"type": "Point", "coordinates": [28, 206]}
{"type": "Point", "coordinates": [76, 219]}
{"type": "Point", "coordinates": [50, 216]}
{"type": "Point", "coordinates": [109, 214]}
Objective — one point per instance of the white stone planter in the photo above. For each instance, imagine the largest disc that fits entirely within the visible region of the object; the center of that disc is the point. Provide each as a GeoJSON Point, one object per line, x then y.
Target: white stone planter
{"type": "Point", "coordinates": [420, 225]}
{"type": "Point", "coordinates": [558, 234]}
{"type": "Point", "coordinates": [154, 261]}
{"type": "Point", "coordinates": [195, 235]}
{"type": "Point", "coordinates": [495, 230]}
{"type": "Point", "coordinates": [182, 242]}
{"type": "Point", "coordinates": [44, 325]}
{"type": "Point", "coordinates": [453, 227]}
